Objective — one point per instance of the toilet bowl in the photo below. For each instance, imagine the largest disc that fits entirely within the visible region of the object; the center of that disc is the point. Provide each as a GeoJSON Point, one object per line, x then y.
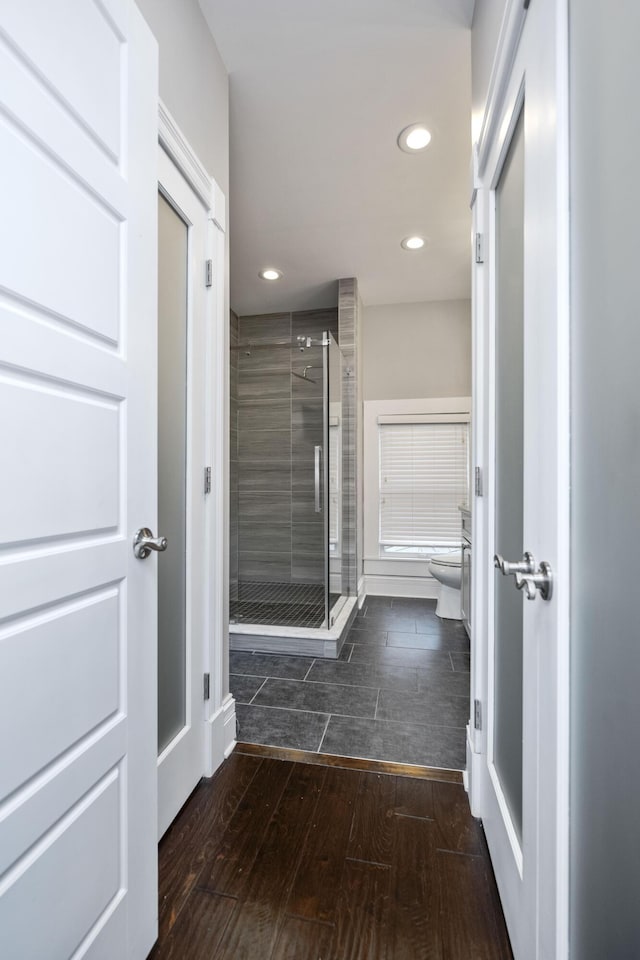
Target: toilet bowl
{"type": "Point", "coordinates": [447, 568]}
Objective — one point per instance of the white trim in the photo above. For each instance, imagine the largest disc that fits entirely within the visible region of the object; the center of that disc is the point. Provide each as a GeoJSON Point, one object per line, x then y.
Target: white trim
{"type": "Point", "coordinates": [305, 641]}
{"type": "Point", "coordinates": [218, 573]}
{"type": "Point", "coordinates": [424, 417]}
{"type": "Point", "coordinates": [474, 770]}
{"type": "Point", "coordinates": [362, 593]}
{"type": "Point", "coordinates": [563, 665]}
{"type": "Point", "coordinates": [473, 176]}
{"type": "Point", "coordinates": [178, 148]}
{"type": "Point", "coordinates": [300, 633]}
{"type": "Point", "coordinates": [510, 31]}
{"type": "Point", "coordinates": [552, 882]}
{"type": "Point", "coordinates": [220, 736]}
{"type": "Point", "coordinates": [381, 586]}
{"type": "Point", "coordinates": [398, 566]}
{"type": "Point", "coordinates": [219, 733]}
{"type": "Point", "coordinates": [373, 410]}
{"type": "Point", "coordinates": [180, 765]}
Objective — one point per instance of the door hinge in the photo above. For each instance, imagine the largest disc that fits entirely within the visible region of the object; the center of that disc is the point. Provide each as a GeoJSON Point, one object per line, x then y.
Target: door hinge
{"type": "Point", "coordinates": [209, 273]}
{"type": "Point", "coordinates": [207, 479]}
{"type": "Point", "coordinates": [477, 715]}
{"type": "Point", "coordinates": [479, 248]}
{"type": "Point", "coordinates": [478, 485]}
{"type": "Point", "coordinates": [207, 686]}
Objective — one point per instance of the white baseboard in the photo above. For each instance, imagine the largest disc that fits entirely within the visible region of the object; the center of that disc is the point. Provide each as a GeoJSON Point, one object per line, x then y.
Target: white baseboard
{"type": "Point", "coordinates": [220, 735]}
{"type": "Point", "coordinates": [473, 775]}
{"type": "Point", "coordinates": [361, 592]}
{"type": "Point", "coordinates": [383, 586]}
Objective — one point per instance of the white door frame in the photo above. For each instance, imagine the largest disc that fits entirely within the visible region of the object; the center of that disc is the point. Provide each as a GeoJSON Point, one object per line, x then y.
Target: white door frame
{"type": "Point", "coordinates": [552, 882]}
{"type": "Point", "coordinates": [219, 711]}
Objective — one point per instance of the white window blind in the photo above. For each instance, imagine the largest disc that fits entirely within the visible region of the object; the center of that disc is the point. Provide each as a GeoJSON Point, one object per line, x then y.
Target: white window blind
{"type": "Point", "coordinates": [423, 480]}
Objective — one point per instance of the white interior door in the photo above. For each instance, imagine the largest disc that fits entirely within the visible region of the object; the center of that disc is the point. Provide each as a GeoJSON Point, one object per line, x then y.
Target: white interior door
{"type": "Point", "coordinates": [182, 423]}
{"type": "Point", "coordinates": [523, 803]}
{"type": "Point", "coordinates": [78, 129]}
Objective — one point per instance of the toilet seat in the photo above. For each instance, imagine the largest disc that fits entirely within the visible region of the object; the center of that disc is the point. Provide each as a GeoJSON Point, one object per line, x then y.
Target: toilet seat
{"type": "Point", "coordinates": [453, 559]}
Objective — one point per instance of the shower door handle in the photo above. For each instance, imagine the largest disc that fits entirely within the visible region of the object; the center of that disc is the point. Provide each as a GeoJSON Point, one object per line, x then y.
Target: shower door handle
{"type": "Point", "coordinates": [317, 453]}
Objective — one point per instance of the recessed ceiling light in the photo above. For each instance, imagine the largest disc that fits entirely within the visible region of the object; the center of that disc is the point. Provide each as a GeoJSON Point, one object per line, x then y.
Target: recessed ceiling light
{"type": "Point", "coordinates": [270, 273]}
{"type": "Point", "coordinates": [414, 138]}
{"type": "Point", "coordinates": [412, 243]}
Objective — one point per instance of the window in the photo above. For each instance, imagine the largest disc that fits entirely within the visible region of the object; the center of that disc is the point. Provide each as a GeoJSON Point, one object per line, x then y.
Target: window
{"type": "Point", "coordinates": [423, 479]}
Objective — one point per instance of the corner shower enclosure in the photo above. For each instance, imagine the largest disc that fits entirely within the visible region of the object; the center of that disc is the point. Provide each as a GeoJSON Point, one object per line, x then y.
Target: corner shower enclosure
{"type": "Point", "coordinates": [289, 585]}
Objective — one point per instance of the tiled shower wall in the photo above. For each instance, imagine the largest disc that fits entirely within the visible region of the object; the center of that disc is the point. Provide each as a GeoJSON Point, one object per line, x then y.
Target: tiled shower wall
{"type": "Point", "coordinates": [278, 420]}
{"type": "Point", "coordinates": [348, 313]}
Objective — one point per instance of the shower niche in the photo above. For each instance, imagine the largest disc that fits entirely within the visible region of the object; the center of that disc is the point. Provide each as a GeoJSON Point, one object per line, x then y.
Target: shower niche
{"type": "Point", "coordinates": [290, 587]}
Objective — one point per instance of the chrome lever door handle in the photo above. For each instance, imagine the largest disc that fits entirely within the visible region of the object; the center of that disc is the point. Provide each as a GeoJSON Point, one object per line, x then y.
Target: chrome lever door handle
{"type": "Point", "coordinates": [144, 542]}
{"type": "Point", "coordinates": [540, 582]}
{"type": "Point", "coordinates": [510, 568]}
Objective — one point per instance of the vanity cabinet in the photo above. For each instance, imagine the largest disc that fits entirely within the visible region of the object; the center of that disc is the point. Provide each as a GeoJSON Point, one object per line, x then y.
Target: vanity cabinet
{"type": "Point", "coordinates": [465, 585]}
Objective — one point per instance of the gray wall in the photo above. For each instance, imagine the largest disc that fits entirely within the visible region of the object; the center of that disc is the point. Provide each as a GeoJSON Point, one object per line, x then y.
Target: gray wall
{"type": "Point", "coordinates": [415, 350]}
{"type": "Point", "coordinates": [193, 80]}
{"type": "Point", "coordinates": [279, 421]}
{"type": "Point", "coordinates": [605, 643]}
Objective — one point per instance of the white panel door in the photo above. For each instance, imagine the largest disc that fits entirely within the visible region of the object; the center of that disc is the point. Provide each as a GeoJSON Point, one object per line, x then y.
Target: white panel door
{"type": "Point", "coordinates": [523, 796]}
{"type": "Point", "coordinates": [184, 423]}
{"type": "Point", "coordinates": [78, 132]}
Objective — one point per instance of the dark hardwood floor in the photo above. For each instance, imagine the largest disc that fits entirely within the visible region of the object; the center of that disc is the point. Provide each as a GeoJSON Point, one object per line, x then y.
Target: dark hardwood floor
{"type": "Point", "coordinates": [276, 860]}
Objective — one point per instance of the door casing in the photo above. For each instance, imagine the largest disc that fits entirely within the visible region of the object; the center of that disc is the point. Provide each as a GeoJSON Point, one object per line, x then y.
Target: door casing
{"type": "Point", "coordinates": [549, 658]}
{"type": "Point", "coordinates": [218, 712]}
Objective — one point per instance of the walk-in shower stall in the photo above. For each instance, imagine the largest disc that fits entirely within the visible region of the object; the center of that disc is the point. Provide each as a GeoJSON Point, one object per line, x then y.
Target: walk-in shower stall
{"type": "Point", "coordinates": [290, 589]}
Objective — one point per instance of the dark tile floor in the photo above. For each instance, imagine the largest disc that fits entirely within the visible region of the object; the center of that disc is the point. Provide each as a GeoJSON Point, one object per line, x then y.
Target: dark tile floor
{"type": "Point", "coordinates": [399, 691]}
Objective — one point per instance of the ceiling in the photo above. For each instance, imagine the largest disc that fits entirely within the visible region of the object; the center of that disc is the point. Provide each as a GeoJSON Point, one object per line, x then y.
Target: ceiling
{"type": "Point", "coordinates": [319, 90]}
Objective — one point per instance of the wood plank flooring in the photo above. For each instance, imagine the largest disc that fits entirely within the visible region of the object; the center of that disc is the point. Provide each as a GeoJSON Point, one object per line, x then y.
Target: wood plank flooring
{"type": "Point", "coordinates": [277, 860]}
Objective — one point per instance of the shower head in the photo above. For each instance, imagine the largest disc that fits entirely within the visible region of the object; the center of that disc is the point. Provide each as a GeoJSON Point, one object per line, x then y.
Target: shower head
{"type": "Point", "coordinates": [303, 375]}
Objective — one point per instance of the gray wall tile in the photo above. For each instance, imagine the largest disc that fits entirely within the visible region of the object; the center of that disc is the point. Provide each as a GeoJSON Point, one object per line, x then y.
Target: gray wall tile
{"type": "Point", "coordinates": [264, 385]}
{"type": "Point", "coordinates": [312, 386]}
{"type": "Point", "coordinates": [270, 445]}
{"type": "Point", "coordinates": [307, 552]}
{"type": "Point", "coordinates": [312, 323]}
{"type": "Point", "coordinates": [279, 420]}
{"type": "Point", "coordinates": [262, 359]}
{"type": "Point", "coordinates": [266, 326]}
{"type": "Point", "coordinates": [255, 475]}
{"type": "Point", "coordinates": [264, 414]}
{"type": "Point", "coordinates": [264, 539]}
{"type": "Point", "coordinates": [273, 506]}
{"type": "Point", "coordinates": [276, 569]}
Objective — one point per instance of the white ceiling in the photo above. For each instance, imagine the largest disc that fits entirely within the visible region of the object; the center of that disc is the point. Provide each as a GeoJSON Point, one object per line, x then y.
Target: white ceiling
{"type": "Point", "coordinates": [319, 91]}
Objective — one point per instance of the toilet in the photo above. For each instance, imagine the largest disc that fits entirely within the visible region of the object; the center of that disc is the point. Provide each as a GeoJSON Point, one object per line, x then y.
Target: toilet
{"type": "Point", "coordinates": [447, 568]}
